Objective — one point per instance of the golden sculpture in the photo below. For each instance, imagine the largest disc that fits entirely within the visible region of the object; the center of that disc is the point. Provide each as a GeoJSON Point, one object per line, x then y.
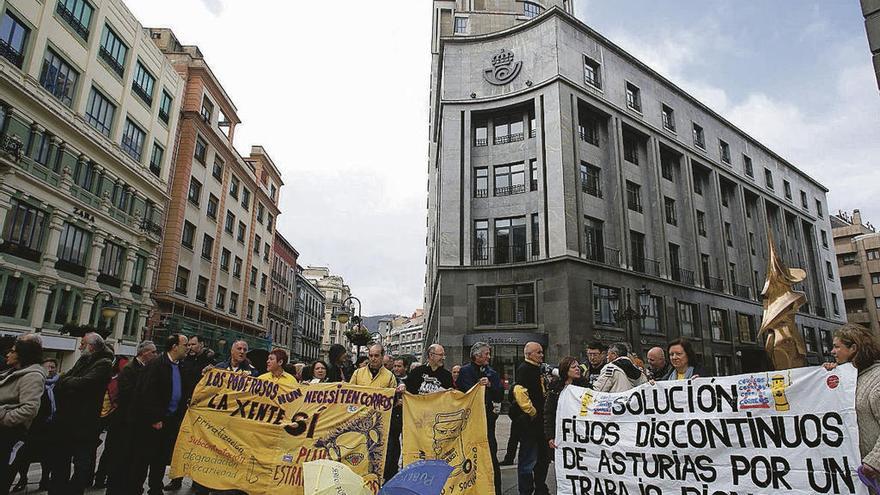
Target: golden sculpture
{"type": "Point", "coordinates": [784, 343]}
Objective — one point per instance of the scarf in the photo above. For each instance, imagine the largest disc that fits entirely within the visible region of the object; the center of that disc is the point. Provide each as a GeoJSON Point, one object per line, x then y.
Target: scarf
{"type": "Point", "coordinates": [50, 392]}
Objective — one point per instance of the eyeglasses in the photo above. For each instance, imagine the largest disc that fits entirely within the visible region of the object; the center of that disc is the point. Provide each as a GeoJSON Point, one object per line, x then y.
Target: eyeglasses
{"type": "Point", "coordinates": [375, 355]}
{"type": "Point", "coordinates": [439, 353]}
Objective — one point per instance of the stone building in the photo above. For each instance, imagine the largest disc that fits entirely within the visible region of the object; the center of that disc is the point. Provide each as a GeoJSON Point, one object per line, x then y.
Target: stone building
{"type": "Point", "coordinates": [406, 336]}
{"type": "Point", "coordinates": [857, 246]}
{"type": "Point", "coordinates": [213, 278]}
{"type": "Point", "coordinates": [871, 12]}
{"type": "Point", "coordinates": [88, 111]}
{"type": "Point", "coordinates": [282, 294]}
{"type": "Point", "coordinates": [335, 292]}
{"type": "Point", "coordinates": [308, 318]}
{"type": "Point", "coordinates": [567, 179]}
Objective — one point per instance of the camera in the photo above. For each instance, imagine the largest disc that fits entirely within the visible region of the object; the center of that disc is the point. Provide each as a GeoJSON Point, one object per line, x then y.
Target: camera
{"type": "Point", "coordinates": [546, 369]}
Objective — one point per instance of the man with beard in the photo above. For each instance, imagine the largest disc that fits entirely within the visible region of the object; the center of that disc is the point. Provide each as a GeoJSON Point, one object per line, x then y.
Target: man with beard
{"type": "Point", "coordinates": [79, 394]}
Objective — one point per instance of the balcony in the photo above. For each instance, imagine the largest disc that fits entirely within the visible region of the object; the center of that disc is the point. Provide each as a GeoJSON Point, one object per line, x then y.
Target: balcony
{"type": "Point", "coordinates": [111, 61]}
{"type": "Point", "coordinates": [646, 266]}
{"type": "Point", "coordinates": [589, 135]}
{"type": "Point", "coordinates": [714, 283]}
{"type": "Point", "coordinates": [20, 251]}
{"type": "Point", "coordinates": [13, 146]}
{"type": "Point", "coordinates": [603, 254]}
{"type": "Point", "coordinates": [509, 138]}
{"type": "Point", "coordinates": [743, 291]}
{"type": "Point", "coordinates": [142, 93]}
{"type": "Point", "coordinates": [862, 317]}
{"type": "Point", "coordinates": [510, 190]}
{"type": "Point", "coordinates": [73, 21]}
{"type": "Point", "coordinates": [820, 311]}
{"type": "Point", "coordinates": [151, 227]}
{"type": "Point", "coordinates": [503, 255]}
{"type": "Point", "coordinates": [854, 293]}
{"type": "Point", "coordinates": [592, 188]}
{"type": "Point", "coordinates": [481, 193]}
{"type": "Point", "coordinates": [69, 267]}
{"type": "Point", "coordinates": [110, 280]}
{"type": "Point", "coordinates": [11, 54]}
{"type": "Point", "coordinates": [683, 276]}
{"type": "Point", "coordinates": [480, 142]}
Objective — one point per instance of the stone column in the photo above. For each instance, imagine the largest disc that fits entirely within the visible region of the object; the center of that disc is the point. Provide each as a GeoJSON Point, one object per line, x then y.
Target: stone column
{"type": "Point", "coordinates": [130, 257]}
{"type": "Point", "coordinates": [36, 130]}
{"type": "Point", "coordinates": [56, 146]}
{"type": "Point", "coordinates": [50, 250]}
{"type": "Point", "coordinates": [5, 208]}
{"type": "Point", "coordinates": [41, 300]}
{"type": "Point", "coordinates": [88, 304]}
{"type": "Point", "coordinates": [98, 239]}
{"type": "Point", "coordinates": [119, 324]}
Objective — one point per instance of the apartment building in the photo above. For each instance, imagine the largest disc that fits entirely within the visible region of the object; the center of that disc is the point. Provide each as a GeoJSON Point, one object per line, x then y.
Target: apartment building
{"type": "Point", "coordinates": [857, 245]}
{"type": "Point", "coordinates": [308, 318]}
{"type": "Point", "coordinates": [406, 336]}
{"type": "Point", "coordinates": [88, 112]}
{"type": "Point", "coordinates": [335, 293]}
{"type": "Point", "coordinates": [215, 263]}
{"type": "Point", "coordinates": [568, 181]}
{"type": "Point", "coordinates": [282, 294]}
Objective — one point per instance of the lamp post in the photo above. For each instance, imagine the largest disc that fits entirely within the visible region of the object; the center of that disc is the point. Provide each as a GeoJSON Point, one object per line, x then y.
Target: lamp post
{"type": "Point", "coordinates": [628, 314]}
{"type": "Point", "coordinates": [109, 309]}
{"type": "Point", "coordinates": [357, 336]}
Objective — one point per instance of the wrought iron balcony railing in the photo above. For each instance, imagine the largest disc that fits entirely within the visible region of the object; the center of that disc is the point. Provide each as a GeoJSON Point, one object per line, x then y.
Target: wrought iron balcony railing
{"type": "Point", "coordinates": [509, 190]}
{"type": "Point", "coordinates": [506, 254]}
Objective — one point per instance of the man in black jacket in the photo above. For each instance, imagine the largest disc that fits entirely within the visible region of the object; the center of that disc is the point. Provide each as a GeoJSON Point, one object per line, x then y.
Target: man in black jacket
{"type": "Point", "coordinates": [120, 432]}
{"type": "Point", "coordinates": [527, 413]}
{"type": "Point", "coordinates": [431, 377]}
{"type": "Point", "coordinates": [78, 398]}
{"type": "Point", "coordinates": [156, 412]}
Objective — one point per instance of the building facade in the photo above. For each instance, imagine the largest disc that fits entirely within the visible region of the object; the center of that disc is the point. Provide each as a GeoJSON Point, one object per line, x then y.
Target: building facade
{"type": "Point", "coordinates": [857, 246]}
{"type": "Point", "coordinates": [871, 12]}
{"type": "Point", "coordinates": [335, 293]}
{"type": "Point", "coordinates": [308, 319]}
{"type": "Point", "coordinates": [215, 262]}
{"type": "Point", "coordinates": [88, 111]}
{"type": "Point", "coordinates": [406, 335]}
{"type": "Point", "coordinates": [566, 177]}
{"type": "Point", "coordinates": [282, 294]}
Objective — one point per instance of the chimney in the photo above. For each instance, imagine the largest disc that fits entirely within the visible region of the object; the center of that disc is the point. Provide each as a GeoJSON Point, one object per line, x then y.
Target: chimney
{"type": "Point", "coordinates": [856, 217]}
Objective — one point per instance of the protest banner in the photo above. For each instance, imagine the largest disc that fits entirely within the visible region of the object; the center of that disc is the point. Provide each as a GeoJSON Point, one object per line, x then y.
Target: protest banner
{"type": "Point", "coordinates": [791, 431]}
{"type": "Point", "coordinates": [254, 435]}
{"type": "Point", "coordinates": [450, 426]}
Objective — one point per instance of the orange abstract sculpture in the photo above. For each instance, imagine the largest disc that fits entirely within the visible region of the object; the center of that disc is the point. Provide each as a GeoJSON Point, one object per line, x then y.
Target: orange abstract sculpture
{"type": "Point", "coordinates": [784, 343]}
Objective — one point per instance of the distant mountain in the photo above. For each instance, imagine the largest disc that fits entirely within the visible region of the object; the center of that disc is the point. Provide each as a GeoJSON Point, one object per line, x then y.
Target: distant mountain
{"type": "Point", "coordinates": [372, 322]}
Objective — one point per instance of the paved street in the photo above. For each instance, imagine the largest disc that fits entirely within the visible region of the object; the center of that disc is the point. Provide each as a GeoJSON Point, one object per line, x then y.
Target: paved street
{"type": "Point", "coordinates": [508, 473]}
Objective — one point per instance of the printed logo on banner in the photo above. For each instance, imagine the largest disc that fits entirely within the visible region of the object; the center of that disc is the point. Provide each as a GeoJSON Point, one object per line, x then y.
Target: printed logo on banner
{"type": "Point", "coordinates": [833, 381]}
{"type": "Point", "coordinates": [754, 392]}
{"type": "Point", "coordinates": [778, 386]}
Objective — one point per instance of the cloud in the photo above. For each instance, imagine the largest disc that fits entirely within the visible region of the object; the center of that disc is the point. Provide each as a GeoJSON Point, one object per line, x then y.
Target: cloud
{"type": "Point", "coordinates": [214, 6]}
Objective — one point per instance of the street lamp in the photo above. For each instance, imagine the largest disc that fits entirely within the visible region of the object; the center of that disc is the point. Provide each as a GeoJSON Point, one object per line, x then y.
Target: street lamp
{"type": "Point", "coordinates": [358, 335]}
{"type": "Point", "coordinates": [628, 314]}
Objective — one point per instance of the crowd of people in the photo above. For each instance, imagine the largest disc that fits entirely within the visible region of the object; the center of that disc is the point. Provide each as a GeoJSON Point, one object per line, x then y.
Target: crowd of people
{"type": "Point", "coordinates": [57, 420]}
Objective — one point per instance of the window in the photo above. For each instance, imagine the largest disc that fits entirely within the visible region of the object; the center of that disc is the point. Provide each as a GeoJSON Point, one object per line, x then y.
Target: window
{"type": "Point", "coordinates": [253, 278]}
{"type": "Point", "coordinates": [533, 175]}
{"type": "Point", "coordinates": [752, 243]}
{"type": "Point", "coordinates": [156, 159]}
{"type": "Point", "coordinates": [77, 14]}
{"type": "Point", "coordinates": [233, 302]}
{"type": "Point", "coordinates": [699, 137]}
{"type": "Point", "coordinates": [510, 240]}
{"type": "Point", "coordinates": [633, 196]}
{"type": "Point", "coordinates": [637, 250]}
{"type": "Point", "coordinates": [747, 166]}
{"type": "Point", "coordinates": [834, 304]}
{"type": "Point", "coordinates": [667, 169]}
{"type": "Point", "coordinates": [201, 150]}
{"type": "Point", "coordinates": [481, 241]}
{"type": "Point", "coordinates": [829, 270]}
{"type": "Point", "coordinates": [819, 211]}
{"type": "Point", "coordinates": [242, 231]}
{"type": "Point", "coordinates": [718, 323]}
{"type": "Point", "coordinates": [13, 39]}
{"type": "Point", "coordinates": [217, 171]}
{"type": "Point", "coordinates": [142, 84]}
{"type": "Point", "coordinates": [725, 200]}
{"type": "Point", "coordinates": [58, 77]}
{"type": "Point", "coordinates": [506, 305]}
{"type": "Point", "coordinates": [139, 273]}
{"type": "Point", "coordinates": [698, 183]}
{"type": "Point", "coordinates": [202, 289]}
{"type": "Point", "coordinates": [221, 297]}
{"type": "Point", "coordinates": [99, 112]}
{"type": "Point", "coordinates": [510, 179]}
{"type": "Point", "coordinates": [630, 149]}
{"type": "Point", "coordinates": [804, 203]}
{"type": "Point", "coordinates": [40, 144]}
{"type": "Point", "coordinates": [112, 260]}
{"type": "Point", "coordinates": [245, 198]}
{"type": "Point", "coordinates": [195, 191]}
{"type": "Point", "coordinates": [250, 310]}
{"type": "Point", "coordinates": [849, 259]}
{"type": "Point", "coordinates": [877, 302]}
{"type": "Point", "coordinates": [74, 245]}
{"type": "Point", "coordinates": [233, 187]}
{"type": "Point", "coordinates": [633, 97]}
{"type": "Point", "coordinates": [875, 278]}
{"type": "Point", "coordinates": [481, 133]}
{"type": "Point", "coordinates": [165, 106]}
{"type": "Point", "coordinates": [182, 280]}
{"type": "Point", "coordinates": [768, 178]}
{"type": "Point", "coordinates": [809, 334]}
{"type": "Point", "coordinates": [225, 254]}
{"type": "Point", "coordinates": [532, 10]}
{"type": "Point", "coordinates": [263, 280]}
{"type": "Point", "coordinates": [261, 210]}
{"type": "Point", "coordinates": [461, 25]}
{"type": "Point", "coordinates": [230, 222]}
{"type": "Point", "coordinates": [746, 326]}
{"type": "Point", "coordinates": [207, 110]}
{"type": "Point", "coordinates": [257, 241]}
{"type": "Point", "coordinates": [536, 236]}
{"type": "Point", "coordinates": [701, 223]}
{"type": "Point", "coordinates": [113, 50]}
{"type": "Point", "coordinates": [236, 267]}
{"type": "Point", "coordinates": [724, 150]}
{"type": "Point", "coordinates": [668, 116]}
{"type": "Point", "coordinates": [189, 233]}
{"type": "Point", "coordinates": [591, 179]}
{"type": "Point", "coordinates": [670, 211]}
{"type": "Point", "coordinates": [786, 187]}
{"type": "Point", "coordinates": [873, 254]}
{"type": "Point", "coordinates": [269, 220]}
{"type": "Point", "coordinates": [588, 129]}
{"type": "Point", "coordinates": [602, 297]}
{"type": "Point", "coordinates": [84, 174]}
{"type": "Point", "coordinates": [592, 73]}
{"type": "Point", "coordinates": [728, 233]}
{"type": "Point", "coordinates": [722, 365]}
{"type": "Point", "coordinates": [266, 249]}
{"type": "Point", "coordinates": [213, 205]}
{"type": "Point", "coordinates": [481, 182]}
{"type": "Point", "coordinates": [686, 322]}
{"type": "Point", "coordinates": [207, 247]}
{"type": "Point", "coordinates": [272, 191]}
{"type": "Point", "coordinates": [509, 128]}
{"type": "Point", "coordinates": [133, 139]}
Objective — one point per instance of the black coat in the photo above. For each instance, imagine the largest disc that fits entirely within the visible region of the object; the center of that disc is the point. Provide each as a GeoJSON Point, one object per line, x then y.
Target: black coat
{"type": "Point", "coordinates": [553, 402]}
{"type": "Point", "coordinates": [153, 393]}
{"type": "Point", "coordinates": [127, 381]}
{"type": "Point", "coordinates": [191, 369]}
{"type": "Point", "coordinates": [79, 395]}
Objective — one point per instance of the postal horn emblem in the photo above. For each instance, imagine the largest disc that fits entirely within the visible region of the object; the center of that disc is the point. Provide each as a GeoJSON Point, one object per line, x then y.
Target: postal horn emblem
{"type": "Point", "coordinates": [504, 69]}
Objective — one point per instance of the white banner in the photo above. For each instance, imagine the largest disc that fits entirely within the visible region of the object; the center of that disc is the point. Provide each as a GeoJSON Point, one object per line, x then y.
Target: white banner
{"type": "Point", "coordinates": [791, 432]}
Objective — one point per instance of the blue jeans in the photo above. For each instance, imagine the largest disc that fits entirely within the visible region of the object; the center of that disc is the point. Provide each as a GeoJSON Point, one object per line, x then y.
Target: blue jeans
{"type": "Point", "coordinates": [534, 460]}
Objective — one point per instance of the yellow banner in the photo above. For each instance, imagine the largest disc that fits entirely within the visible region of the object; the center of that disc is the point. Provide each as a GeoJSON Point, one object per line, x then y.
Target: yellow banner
{"type": "Point", "coordinates": [451, 426]}
{"type": "Point", "coordinates": [244, 433]}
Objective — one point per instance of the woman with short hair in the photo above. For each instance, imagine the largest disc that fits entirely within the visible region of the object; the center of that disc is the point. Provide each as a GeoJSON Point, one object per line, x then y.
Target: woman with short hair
{"type": "Point", "coordinates": [683, 360]}
{"type": "Point", "coordinates": [275, 369]}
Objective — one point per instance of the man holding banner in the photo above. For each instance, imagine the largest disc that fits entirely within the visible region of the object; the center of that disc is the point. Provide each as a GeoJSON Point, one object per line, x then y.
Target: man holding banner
{"type": "Point", "coordinates": [527, 414]}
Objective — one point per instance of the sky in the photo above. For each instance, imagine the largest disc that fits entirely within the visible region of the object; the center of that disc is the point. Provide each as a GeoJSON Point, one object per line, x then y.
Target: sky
{"type": "Point", "coordinates": [337, 93]}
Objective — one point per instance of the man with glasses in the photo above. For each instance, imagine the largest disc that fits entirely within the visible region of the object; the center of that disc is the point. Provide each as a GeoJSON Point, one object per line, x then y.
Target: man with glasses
{"type": "Point", "coordinates": [431, 377]}
{"type": "Point", "coordinates": [596, 353]}
{"type": "Point", "coordinates": [527, 413]}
